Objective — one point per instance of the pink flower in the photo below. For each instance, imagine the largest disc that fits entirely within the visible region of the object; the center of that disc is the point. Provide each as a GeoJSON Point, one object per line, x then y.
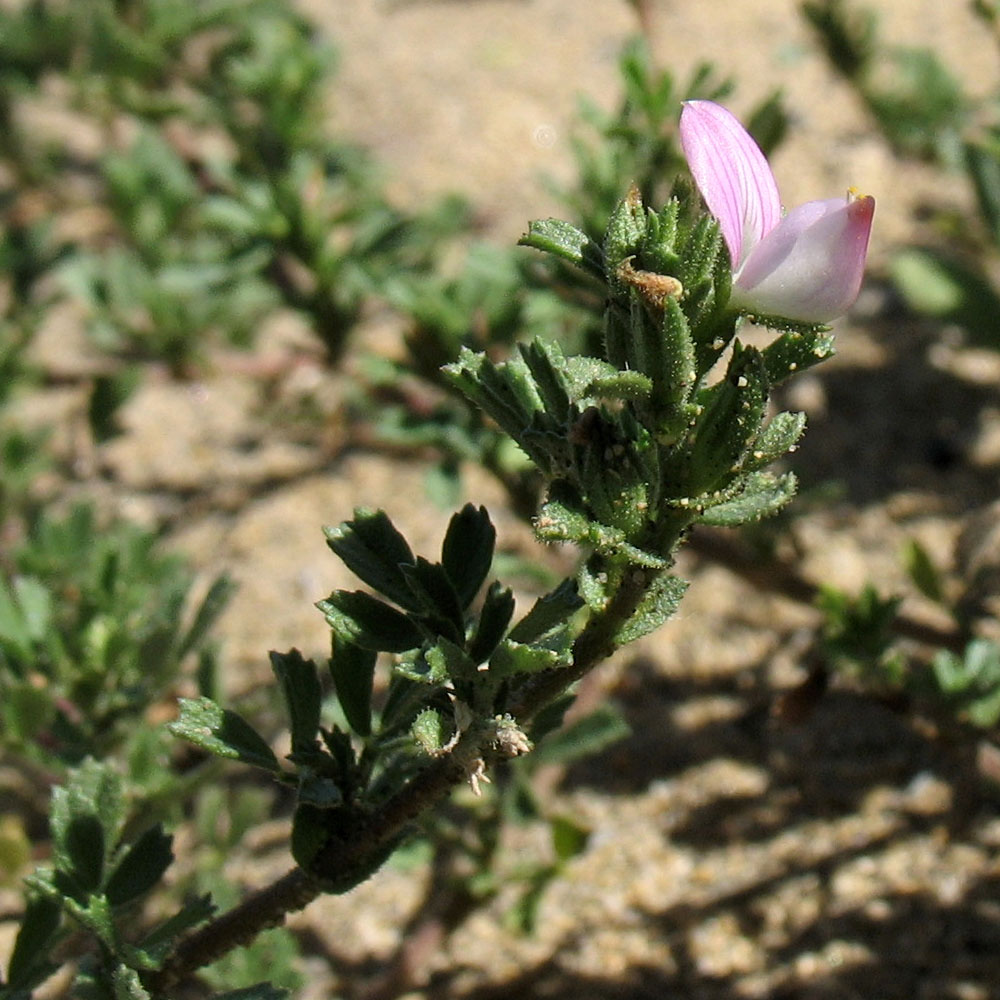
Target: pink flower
{"type": "Point", "coordinates": [805, 267]}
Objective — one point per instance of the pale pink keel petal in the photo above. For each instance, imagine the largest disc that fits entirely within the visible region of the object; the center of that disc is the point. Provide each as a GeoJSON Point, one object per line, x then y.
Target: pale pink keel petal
{"type": "Point", "coordinates": [806, 267]}
{"type": "Point", "coordinates": [809, 267]}
{"type": "Point", "coordinates": [732, 175]}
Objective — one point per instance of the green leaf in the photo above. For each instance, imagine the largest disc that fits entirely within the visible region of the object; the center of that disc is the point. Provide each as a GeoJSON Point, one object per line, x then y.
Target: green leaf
{"type": "Point", "coordinates": [25, 711]}
{"type": "Point", "coordinates": [547, 367]}
{"type": "Point", "coordinates": [211, 607]}
{"type": "Point", "coordinates": [97, 917]}
{"type": "Point", "coordinates": [631, 386]}
{"type": "Point", "coordinates": [857, 628]}
{"type": "Point", "coordinates": [237, 217]}
{"type": "Point", "coordinates": [467, 551]}
{"type": "Point", "coordinates": [584, 737]}
{"type": "Point", "coordinates": [141, 867]}
{"type": "Point", "coordinates": [951, 673]}
{"type": "Point", "coordinates": [108, 393]}
{"type": "Point", "coordinates": [14, 629]}
{"type": "Point", "coordinates": [82, 850]}
{"type": "Point", "coordinates": [924, 107]}
{"type": "Point", "coordinates": [922, 571]}
{"type": "Point", "coordinates": [341, 749]}
{"type": "Point", "coordinates": [703, 268]}
{"type": "Point", "coordinates": [193, 913]}
{"type": "Point", "coordinates": [310, 832]}
{"type": "Point", "coordinates": [449, 662]}
{"type": "Point", "coordinates": [971, 681]}
{"type": "Point", "coordinates": [517, 658]}
{"type": "Point", "coordinates": [127, 985]}
{"type": "Point", "coordinates": [443, 480]}
{"type": "Point", "coordinates": [625, 231]}
{"type": "Point", "coordinates": [429, 731]}
{"type": "Point", "coordinates": [569, 839]}
{"type": "Point", "coordinates": [86, 815]}
{"type": "Point", "coordinates": [29, 963]}
{"type": "Point", "coordinates": [36, 604]}
{"type": "Point", "coordinates": [367, 622]}
{"type": "Point", "coordinates": [372, 549]}
{"type": "Point", "coordinates": [440, 608]}
{"type": "Point", "coordinates": [934, 284]}
{"type": "Point", "coordinates": [600, 487]}
{"type": "Point", "coordinates": [795, 350]}
{"type": "Point", "coordinates": [668, 358]}
{"type": "Point", "coordinates": [617, 332]}
{"type": "Point", "coordinates": [562, 520]}
{"type": "Point", "coordinates": [547, 722]}
{"type": "Point", "coordinates": [560, 238]}
{"type": "Point", "coordinates": [415, 666]}
{"type": "Point", "coordinates": [586, 378]}
{"type": "Point", "coordinates": [522, 917]}
{"type": "Point", "coordinates": [659, 604]}
{"type": "Point", "coordinates": [300, 685]}
{"type": "Point", "coordinates": [592, 581]}
{"type": "Point", "coordinates": [768, 123]}
{"type": "Point", "coordinates": [847, 33]}
{"type": "Point", "coordinates": [985, 711]}
{"type": "Point", "coordinates": [762, 496]}
{"type": "Point", "coordinates": [777, 439]}
{"type": "Point", "coordinates": [495, 616]}
{"type": "Point", "coordinates": [222, 732]}
{"type": "Point", "coordinates": [403, 696]}
{"type": "Point", "coordinates": [506, 392]}
{"type": "Point", "coordinates": [729, 423]}
{"type": "Point", "coordinates": [620, 499]}
{"type": "Point", "coordinates": [353, 672]}
{"type": "Point", "coordinates": [982, 160]}
{"type": "Point", "coordinates": [609, 541]}
{"type": "Point", "coordinates": [562, 517]}
{"type": "Point", "coordinates": [548, 613]}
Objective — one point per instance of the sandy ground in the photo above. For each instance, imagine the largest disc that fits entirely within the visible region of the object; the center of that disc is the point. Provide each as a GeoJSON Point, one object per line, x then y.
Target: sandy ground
{"type": "Point", "coordinates": [731, 855]}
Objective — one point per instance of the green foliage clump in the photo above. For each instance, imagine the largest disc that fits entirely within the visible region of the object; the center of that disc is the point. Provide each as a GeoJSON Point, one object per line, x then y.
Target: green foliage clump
{"type": "Point", "coordinates": [219, 194]}
{"type": "Point", "coordinates": [92, 633]}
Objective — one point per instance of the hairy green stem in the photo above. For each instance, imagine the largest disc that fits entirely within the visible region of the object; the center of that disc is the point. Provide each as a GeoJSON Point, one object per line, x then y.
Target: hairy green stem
{"type": "Point", "coordinates": [595, 643]}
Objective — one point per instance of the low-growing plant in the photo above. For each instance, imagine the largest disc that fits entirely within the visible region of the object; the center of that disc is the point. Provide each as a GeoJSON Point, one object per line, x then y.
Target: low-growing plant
{"type": "Point", "coordinates": [92, 634]}
{"type": "Point", "coordinates": [953, 676]}
{"type": "Point", "coordinates": [219, 197]}
{"type": "Point", "coordinates": [635, 446]}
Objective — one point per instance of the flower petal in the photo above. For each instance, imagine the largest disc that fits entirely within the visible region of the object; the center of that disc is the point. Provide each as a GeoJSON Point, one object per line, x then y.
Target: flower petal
{"type": "Point", "coordinates": [809, 267]}
{"type": "Point", "coordinates": [732, 174]}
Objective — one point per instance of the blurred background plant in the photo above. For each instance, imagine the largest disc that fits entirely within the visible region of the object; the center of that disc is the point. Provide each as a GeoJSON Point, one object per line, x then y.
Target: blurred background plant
{"type": "Point", "coordinates": [926, 114]}
{"type": "Point", "coordinates": [922, 109]}
{"type": "Point", "coordinates": [950, 676]}
{"type": "Point", "coordinates": [204, 191]}
{"type": "Point", "coordinates": [91, 635]}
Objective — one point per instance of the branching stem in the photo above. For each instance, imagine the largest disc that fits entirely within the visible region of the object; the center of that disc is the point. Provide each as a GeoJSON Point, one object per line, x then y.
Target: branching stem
{"type": "Point", "coordinates": [346, 861]}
